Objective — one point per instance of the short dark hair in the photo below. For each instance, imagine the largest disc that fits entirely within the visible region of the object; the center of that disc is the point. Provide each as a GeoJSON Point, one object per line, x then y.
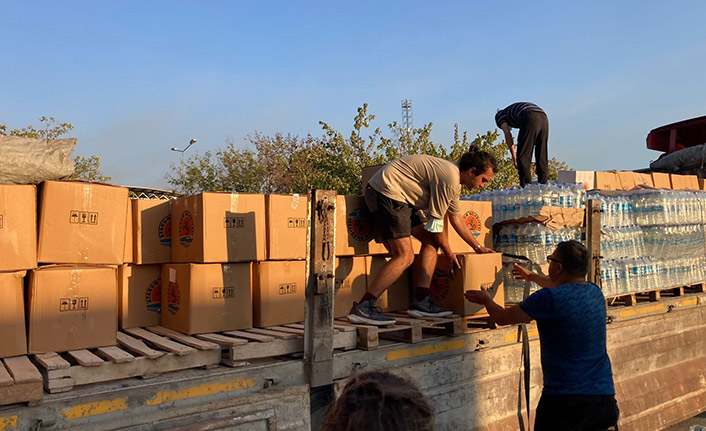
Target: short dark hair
{"type": "Point", "coordinates": [379, 401]}
{"type": "Point", "coordinates": [574, 257]}
{"type": "Point", "coordinates": [477, 158]}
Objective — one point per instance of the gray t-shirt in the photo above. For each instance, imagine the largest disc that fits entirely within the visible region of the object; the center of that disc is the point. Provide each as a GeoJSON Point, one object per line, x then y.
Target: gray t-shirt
{"type": "Point", "coordinates": [425, 182]}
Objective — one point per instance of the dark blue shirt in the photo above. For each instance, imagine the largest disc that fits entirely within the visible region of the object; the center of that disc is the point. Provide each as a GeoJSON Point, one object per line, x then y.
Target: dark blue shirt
{"type": "Point", "coordinates": [512, 115]}
{"type": "Point", "coordinates": [571, 320]}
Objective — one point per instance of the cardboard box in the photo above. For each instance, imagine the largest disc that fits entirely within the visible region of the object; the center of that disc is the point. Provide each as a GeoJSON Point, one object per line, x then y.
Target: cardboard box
{"type": "Point", "coordinates": [368, 173]}
{"type": "Point", "coordinates": [607, 181]}
{"type": "Point", "coordinates": [351, 283]}
{"type": "Point", "coordinates": [82, 223]}
{"type": "Point", "coordinates": [278, 292]}
{"type": "Point", "coordinates": [661, 180]}
{"type": "Point", "coordinates": [202, 298]}
{"type": "Point", "coordinates": [702, 184]}
{"type": "Point", "coordinates": [396, 297]}
{"type": "Point", "coordinates": [128, 255]}
{"type": "Point", "coordinates": [684, 182]}
{"type": "Point", "coordinates": [139, 295]}
{"type": "Point", "coordinates": [587, 178]}
{"type": "Point", "coordinates": [354, 228]}
{"type": "Point", "coordinates": [643, 179]}
{"type": "Point", "coordinates": [152, 232]}
{"type": "Point", "coordinates": [18, 227]}
{"type": "Point", "coordinates": [626, 180]}
{"type": "Point", "coordinates": [476, 270]}
{"type": "Point", "coordinates": [286, 217]}
{"type": "Point", "coordinates": [12, 314]}
{"type": "Point", "coordinates": [218, 227]}
{"type": "Point", "coordinates": [72, 307]}
{"type": "Point", "coordinates": [478, 218]}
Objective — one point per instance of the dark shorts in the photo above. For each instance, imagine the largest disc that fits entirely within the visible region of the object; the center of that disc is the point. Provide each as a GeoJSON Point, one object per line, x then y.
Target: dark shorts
{"type": "Point", "coordinates": [391, 219]}
{"type": "Point", "coordinates": [576, 413]}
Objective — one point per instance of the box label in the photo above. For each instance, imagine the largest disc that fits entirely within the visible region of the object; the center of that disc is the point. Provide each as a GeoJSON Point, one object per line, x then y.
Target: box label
{"type": "Point", "coordinates": [1, 222]}
{"type": "Point", "coordinates": [153, 296]}
{"type": "Point", "coordinates": [287, 288]}
{"type": "Point", "coordinates": [223, 292]}
{"type": "Point", "coordinates": [234, 222]}
{"type": "Point", "coordinates": [294, 223]}
{"type": "Point", "coordinates": [83, 217]}
{"type": "Point", "coordinates": [186, 229]}
{"type": "Point", "coordinates": [439, 287]}
{"type": "Point", "coordinates": [165, 231]}
{"type": "Point", "coordinates": [73, 304]}
{"type": "Point", "coordinates": [173, 297]}
{"type": "Point", "coordinates": [359, 224]}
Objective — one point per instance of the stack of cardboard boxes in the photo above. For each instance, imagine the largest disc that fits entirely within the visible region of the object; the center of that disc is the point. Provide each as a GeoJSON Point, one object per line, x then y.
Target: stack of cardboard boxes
{"type": "Point", "coordinates": [627, 180]}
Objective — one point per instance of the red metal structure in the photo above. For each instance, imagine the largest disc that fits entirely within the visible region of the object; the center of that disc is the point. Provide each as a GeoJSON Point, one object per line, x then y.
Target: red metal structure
{"type": "Point", "coordinates": [677, 136]}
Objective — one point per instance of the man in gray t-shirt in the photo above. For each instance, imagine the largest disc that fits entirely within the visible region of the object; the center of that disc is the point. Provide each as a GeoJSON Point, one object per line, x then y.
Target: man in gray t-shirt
{"type": "Point", "coordinates": [395, 195]}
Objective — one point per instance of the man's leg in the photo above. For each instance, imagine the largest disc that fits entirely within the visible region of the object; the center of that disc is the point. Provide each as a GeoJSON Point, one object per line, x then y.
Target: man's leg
{"type": "Point", "coordinates": [525, 144]}
{"type": "Point", "coordinates": [402, 258]}
{"type": "Point", "coordinates": [421, 304]}
{"type": "Point", "coordinates": [540, 147]}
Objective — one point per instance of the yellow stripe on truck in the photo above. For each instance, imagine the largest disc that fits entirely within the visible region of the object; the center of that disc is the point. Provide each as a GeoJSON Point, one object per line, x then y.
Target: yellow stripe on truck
{"type": "Point", "coordinates": [200, 391]}
{"type": "Point", "coordinates": [93, 409]}
{"type": "Point", "coordinates": [426, 350]}
{"type": "Point", "coordinates": [8, 423]}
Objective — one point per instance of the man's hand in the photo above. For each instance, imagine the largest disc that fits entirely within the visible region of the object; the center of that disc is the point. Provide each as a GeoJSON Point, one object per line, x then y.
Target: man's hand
{"type": "Point", "coordinates": [481, 250]}
{"type": "Point", "coordinates": [478, 296]}
{"type": "Point", "coordinates": [521, 273]}
{"type": "Point", "coordinates": [453, 263]}
{"type": "Point", "coordinates": [514, 159]}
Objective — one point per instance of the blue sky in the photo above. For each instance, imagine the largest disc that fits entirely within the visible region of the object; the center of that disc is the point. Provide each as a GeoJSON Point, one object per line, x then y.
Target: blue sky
{"type": "Point", "coordinates": [139, 77]}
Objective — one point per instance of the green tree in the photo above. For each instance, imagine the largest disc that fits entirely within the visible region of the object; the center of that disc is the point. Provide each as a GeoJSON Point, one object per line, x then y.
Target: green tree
{"type": "Point", "coordinates": [289, 164]}
{"type": "Point", "coordinates": [88, 168]}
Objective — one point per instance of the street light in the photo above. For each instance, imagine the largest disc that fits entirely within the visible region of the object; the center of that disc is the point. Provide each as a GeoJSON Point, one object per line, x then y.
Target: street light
{"type": "Point", "coordinates": [191, 142]}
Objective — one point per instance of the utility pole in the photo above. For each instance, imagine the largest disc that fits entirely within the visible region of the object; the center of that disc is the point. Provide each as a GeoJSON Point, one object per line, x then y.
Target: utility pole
{"type": "Point", "coordinates": [181, 170]}
{"type": "Point", "coordinates": [407, 122]}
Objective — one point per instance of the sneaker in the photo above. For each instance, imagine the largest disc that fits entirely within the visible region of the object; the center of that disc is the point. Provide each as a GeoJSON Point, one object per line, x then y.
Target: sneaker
{"type": "Point", "coordinates": [427, 308]}
{"type": "Point", "coordinates": [366, 312]}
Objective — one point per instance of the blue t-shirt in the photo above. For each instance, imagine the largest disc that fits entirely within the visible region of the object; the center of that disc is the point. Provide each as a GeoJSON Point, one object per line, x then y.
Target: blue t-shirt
{"type": "Point", "coordinates": [571, 319]}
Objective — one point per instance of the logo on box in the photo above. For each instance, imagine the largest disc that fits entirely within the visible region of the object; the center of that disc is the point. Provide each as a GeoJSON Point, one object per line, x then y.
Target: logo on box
{"type": "Point", "coordinates": [165, 231]}
{"type": "Point", "coordinates": [439, 287]}
{"type": "Point", "coordinates": [186, 229]}
{"type": "Point", "coordinates": [73, 304]}
{"type": "Point", "coordinates": [293, 222]}
{"type": "Point", "coordinates": [83, 217]}
{"type": "Point", "coordinates": [223, 292]}
{"type": "Point", "coordinates": [173, 297]}
{"type": "Point", "coordinates": [359, 224]}
{"type": "Point", "coordinates": [287, 288]}
{"type": "Point", "coordinates": [153, 296]}
{"type": "Point", "coordinates": [472, 220]}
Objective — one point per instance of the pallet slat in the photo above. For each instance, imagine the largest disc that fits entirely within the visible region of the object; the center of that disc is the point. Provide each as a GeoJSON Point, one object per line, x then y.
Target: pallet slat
{"type": "Point", "coordinates": [115, 354]}
{"type": "Point", "coordinates": [22, 370]}
{"type": "Point", "coordinates": [5, 377]}
{"type": "Point", "coordinates": [184, 339]}
{"type": "Point", "coordinates": [272, 333]}
{"type": "Point", "coordinates": [222, 340]}
{"type": "Point", "coordinates": [250, 336]}
{"type": "Point", "coordinates": [85, 358]}
{"type": "Point", "coordinates": [52, 361]}
{"type": "Point", "coordinates": [137, 346]}
{"type": "Point", "coordinates": [161, 342]}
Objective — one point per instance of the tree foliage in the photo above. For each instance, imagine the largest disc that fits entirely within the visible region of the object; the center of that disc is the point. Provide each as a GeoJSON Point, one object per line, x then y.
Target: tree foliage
{"type": "Point", "coordinates": [290, 164]}
{"type": "Point", "coordinates": [85, 168]}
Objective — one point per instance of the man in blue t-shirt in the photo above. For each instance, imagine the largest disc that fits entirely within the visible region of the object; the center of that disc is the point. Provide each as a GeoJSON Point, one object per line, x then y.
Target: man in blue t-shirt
{"type": "Point", "coordinates": [578, 391]}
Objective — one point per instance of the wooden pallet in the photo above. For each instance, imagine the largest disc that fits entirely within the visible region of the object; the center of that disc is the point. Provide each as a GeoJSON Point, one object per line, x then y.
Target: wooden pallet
{"type": "Point", "coordinates": [450, 325]}
{"type": "Point", "coordinates": [478, 322]}
{"type": "Point", "coordinates": [20, 382]}
{"type": "Point", "coordinates": [141, 352]}
{"type": "Point", "coordinates": [408, 330]}
{"type": "Point", "coordinates": [239, 347]}
{"type": "Point", "coordinates": [633, 298]}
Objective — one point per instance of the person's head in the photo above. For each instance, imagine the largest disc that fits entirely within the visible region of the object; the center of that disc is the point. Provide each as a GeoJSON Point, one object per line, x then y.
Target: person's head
{"type": "Point", "coordinates": [379, 401]}
{"type": "Point", "coordinates": [568, 262]}
{"type": "Point", "coordinates": [476, 167]}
